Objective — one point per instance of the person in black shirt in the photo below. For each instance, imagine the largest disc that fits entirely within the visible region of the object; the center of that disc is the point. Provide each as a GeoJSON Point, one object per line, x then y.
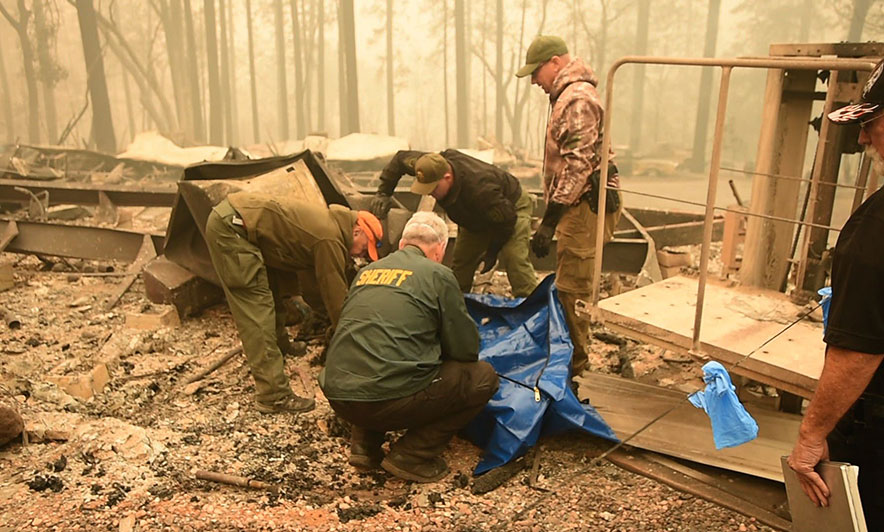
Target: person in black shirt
{"type": "Point", "coordinates": [845, 419]}
{"type": "Point", "coordinates": [492, 212]}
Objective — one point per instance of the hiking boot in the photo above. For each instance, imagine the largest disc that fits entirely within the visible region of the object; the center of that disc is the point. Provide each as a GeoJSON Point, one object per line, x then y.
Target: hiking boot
{"type": "Point", "coordinates": [292, 404]}
{"type": "Point", "coordinates": [416, 469]}
{"type": "Point", "coordinates": [290, 348]}
{"type": "Point", "coordinates": [364, 456]}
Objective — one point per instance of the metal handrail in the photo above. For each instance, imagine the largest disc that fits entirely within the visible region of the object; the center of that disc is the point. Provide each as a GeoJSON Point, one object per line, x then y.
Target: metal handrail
{"type": "Point", "coordinates": [735, 211]}
{"type": "Point", "coordinates": [791, 178]}
{"type": "Point", "coordinates": [726, 66]}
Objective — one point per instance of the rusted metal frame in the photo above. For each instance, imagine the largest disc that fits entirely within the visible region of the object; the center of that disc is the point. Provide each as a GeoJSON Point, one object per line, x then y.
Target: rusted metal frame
{"type": "Point", "coordinates": [80, 242]}
{"type": "Point", "coordinates": [710, 200]}
{"type": "Point", "coordinates": [790, 178]}
{"type": "Point", "coordinates": [88, 194]}
{"type": "Point", "coordinates": [725, 209]}
{"type": "Point", "coordinates": [815, 181]}
{"type": "Point", "coordinates": [726, 65]}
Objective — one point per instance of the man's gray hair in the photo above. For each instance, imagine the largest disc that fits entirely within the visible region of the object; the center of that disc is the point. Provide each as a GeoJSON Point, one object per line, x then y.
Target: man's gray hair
{"type": "Point", "coordinates": [425, 228]}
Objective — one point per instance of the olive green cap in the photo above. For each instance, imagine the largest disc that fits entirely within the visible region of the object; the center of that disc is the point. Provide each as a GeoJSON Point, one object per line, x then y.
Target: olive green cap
{"type": "Point", "coordinates": [542, 48]}
{"type": "Point", "coordinates": [428, 170]}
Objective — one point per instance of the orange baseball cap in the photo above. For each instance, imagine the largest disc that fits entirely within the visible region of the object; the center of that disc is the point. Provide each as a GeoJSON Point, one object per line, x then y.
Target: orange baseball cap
{"type": "Point", "coordinates": [373, 229]}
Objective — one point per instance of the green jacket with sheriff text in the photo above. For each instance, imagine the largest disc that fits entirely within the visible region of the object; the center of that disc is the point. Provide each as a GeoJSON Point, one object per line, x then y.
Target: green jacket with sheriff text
{"type": "Point", "coordinates": [404, 315]}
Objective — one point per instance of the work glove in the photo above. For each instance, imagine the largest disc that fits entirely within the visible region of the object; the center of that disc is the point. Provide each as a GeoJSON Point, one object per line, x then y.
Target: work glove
{"type": "Point", "coordinates": [542, 238]}
{"type": "Point", "coordinates": [490, 259]}
{"type": "Point", "coordinates": [380, 205]}
{"type": "Point", "coordinates": [541, 241]}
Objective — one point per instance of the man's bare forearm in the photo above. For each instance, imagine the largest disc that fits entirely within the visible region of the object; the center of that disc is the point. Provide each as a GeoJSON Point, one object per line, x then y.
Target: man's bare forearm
{"type": "Point", "coordinates": [845, 376]}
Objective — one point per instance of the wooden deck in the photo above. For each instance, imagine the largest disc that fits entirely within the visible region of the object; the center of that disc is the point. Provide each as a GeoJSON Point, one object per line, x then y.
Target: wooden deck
{"type": "Point", "coordinates": [736, 320]}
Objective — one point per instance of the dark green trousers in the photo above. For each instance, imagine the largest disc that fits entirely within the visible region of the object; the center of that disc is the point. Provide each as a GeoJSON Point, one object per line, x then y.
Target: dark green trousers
{"type": "Point", "coordinates": [254, 301]}
{"type": "Point", "coordinates": [470, 247]}
{"type": "Point", "coordinates": [432, 415]}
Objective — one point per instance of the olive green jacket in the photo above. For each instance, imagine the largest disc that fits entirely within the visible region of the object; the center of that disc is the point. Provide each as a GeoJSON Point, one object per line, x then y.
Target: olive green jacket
{"type": "Point", "coordinates": [296, 235]}
{"type": "Point", "coordinates": [404, 315]}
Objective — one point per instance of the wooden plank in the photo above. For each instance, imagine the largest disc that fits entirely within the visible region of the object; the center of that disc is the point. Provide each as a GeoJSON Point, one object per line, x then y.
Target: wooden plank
{"type": "Point", "coordinates": [717, 489]}
{"type": "Point", "coordinates": [627, 405]}
{"type": "Point", "coordinates": [736, 321]}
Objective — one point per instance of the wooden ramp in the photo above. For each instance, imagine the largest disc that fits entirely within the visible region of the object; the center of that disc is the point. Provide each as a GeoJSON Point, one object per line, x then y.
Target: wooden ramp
{"type": "Point", "coordinates": [736, 320]}
{"type": "Point", "coordinates": [686, 432]}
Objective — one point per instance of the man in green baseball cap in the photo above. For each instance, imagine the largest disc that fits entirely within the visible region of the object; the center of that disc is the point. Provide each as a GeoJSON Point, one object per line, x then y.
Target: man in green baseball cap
{"type": "Point", "coordinates": [572, 157]}
{"type": "Point", "coordinates": [488, 204]}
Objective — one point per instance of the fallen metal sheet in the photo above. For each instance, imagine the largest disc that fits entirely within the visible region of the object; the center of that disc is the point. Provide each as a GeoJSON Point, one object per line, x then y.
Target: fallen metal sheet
{"type": "Point", "coordinates": [52, 162]}
{"type": "Point", "coordinates": [204, 185]}
{"type": "Point", "coordinates": [75, 241]}
{"type": "Point", "coordinates": [751, 496]}
{"type": "Point", "coordinates": [63, 193]}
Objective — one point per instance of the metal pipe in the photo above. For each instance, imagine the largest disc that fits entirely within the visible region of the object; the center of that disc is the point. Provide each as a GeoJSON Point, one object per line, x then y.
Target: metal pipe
{"type": "Point", "coordinates": [10, 319]}
{"type": "Point", "coordinates": [725, 209]}
{"type": "Point", "coordinates": [714, 164]}
{"type": "Point", "coordinates": [790, 178]}
{"type": "Point", "coordinates": [815, 180]}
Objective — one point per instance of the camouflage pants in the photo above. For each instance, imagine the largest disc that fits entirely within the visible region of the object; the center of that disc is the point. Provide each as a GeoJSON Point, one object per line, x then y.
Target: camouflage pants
{"type": "Point", "coordinates": [254, 301]}
{"type": "Point", "coordinates": [575, 260]}
{"type": "Point", "coordinates": [470, 248]}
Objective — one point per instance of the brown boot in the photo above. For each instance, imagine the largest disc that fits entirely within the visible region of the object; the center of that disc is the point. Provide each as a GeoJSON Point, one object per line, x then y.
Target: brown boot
{"type": "Point", "coordinates": [292, 404]}
{"type": "Point", "coordinates": [415, 469]}
{"type": "Point", "coordinates": [365, 448]}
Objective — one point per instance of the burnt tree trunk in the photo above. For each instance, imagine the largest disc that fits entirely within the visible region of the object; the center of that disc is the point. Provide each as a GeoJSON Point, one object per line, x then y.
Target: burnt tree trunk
{"type": "Point", "coordinates": [252, 81]}
{"type": "Point", "coordinates": [460, 57]}
{"type": "Point", "coordinates": [27, 51]}
{"type": "Point", "coordinates": [233, 133]}
{"type": "Point", "coordinates": [348, 30]}
{"type": "Point", "coordinates": [638, 84]}
{"type": "Point", "coordinates": [216, 110]}
{"type": "Point", "coordinates": [704, 100]}
{"type": "Point", "coordinates": [102, 123]}
{"type": "Point", "coordinates": [300, 122]}
{"type": "Point", "coordinates": [445, 68]}
{"type": "Point", "coordinates": [6, 97]}
{"type": "Point", "coordinates": [391, 115]}
{"type": "Point", "coordinates": [320, 66]}
{"type": "Point", "coordinates": [282, 107]}
{"type": "Point", "coordinates": [171, 15]}
{"type": "Point", "coordinates": [45, 38]}
{"type": "Point", "coordinates": [225, 75]}
{"type": "Point", "coordinates": [858, 19]}
{"type": "Point", "coordinates": [498, 75]}
{"type": "Point", "coordinates": [196, 107]}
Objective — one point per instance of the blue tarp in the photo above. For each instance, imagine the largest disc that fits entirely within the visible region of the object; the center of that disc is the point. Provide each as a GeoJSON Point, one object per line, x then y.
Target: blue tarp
{"type": "Point", "coordinates": [527, 341]}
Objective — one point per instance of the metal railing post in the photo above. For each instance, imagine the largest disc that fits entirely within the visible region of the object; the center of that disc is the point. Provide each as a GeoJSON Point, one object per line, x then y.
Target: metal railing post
{"type": "Point", "coordinates": [711, 192]}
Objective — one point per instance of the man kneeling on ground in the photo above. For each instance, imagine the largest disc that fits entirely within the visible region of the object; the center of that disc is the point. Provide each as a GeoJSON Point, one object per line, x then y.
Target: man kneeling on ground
{"type": "Point", "coordinates": [405, 356]}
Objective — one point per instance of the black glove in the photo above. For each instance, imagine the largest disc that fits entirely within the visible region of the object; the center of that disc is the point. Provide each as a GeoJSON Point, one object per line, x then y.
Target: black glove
{"type": "Point", "coordinates": [380, 205]}
{"type": "Point", "coordinates": [541, 241]}
{"type": "Point", "coordinates": [490, 259]}
{"type": "Point", "coordinates": [542, 238]}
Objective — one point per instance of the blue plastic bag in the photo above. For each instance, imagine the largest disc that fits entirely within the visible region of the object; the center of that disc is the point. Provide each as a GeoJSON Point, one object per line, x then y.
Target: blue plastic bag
{"type": "Point", "coordinates": [826, 301]}
{"type": "Point", "coordinates": [731, 423]}
{"type": "Point", "coordinates": [527, 341]}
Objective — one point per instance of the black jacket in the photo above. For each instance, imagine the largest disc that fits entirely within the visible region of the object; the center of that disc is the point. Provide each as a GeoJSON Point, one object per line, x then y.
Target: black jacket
{"type": "Point", "coordinates": [482, 198]}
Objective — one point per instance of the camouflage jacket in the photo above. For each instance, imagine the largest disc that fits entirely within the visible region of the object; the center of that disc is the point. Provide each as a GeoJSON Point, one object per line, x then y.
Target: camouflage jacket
{"type": "Point", "coordinates": [573, 135]}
